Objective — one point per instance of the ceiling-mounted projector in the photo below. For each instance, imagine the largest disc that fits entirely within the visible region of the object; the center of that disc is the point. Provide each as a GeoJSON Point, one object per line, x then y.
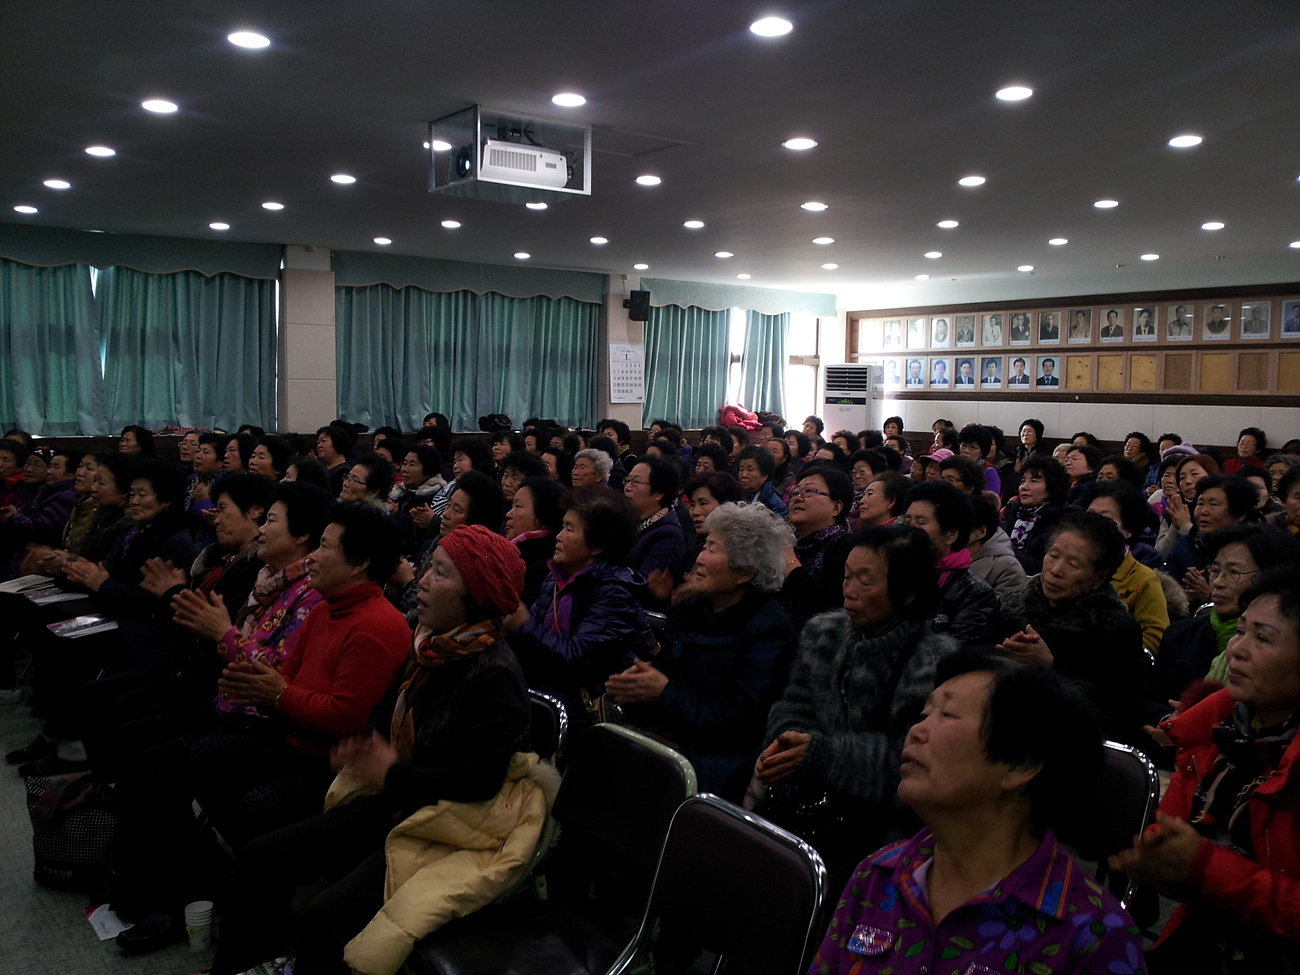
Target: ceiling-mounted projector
{"type": "Point", "coordinates": [498, 155]}
{"type": "Point", "coordinates": [524, 164]}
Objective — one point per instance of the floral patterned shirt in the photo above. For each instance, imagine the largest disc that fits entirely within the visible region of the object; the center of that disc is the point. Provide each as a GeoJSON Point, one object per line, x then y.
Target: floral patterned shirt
{"type": "Point", "coordinates": [1044, 918]}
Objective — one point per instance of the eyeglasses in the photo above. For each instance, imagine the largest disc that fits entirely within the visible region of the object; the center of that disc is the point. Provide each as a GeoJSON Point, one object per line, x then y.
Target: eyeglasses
{"type": "Point", "coordinates": [353, 479]}
{"type": "Point", "coordinates": [636, 480]}
{"type": "Point", "coordinates": [808, 492]}
{"type": "Point", "coordinates": [1230, 576]}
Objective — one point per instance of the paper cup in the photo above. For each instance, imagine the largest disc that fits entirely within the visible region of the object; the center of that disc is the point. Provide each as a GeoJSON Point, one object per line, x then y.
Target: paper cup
{"type": "Point", "coordinates": [198, 925]}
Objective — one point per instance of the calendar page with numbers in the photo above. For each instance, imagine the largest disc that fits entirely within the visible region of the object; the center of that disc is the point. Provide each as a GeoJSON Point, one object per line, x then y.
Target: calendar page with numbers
{"type": "Point", "coordinates": [626, 372]}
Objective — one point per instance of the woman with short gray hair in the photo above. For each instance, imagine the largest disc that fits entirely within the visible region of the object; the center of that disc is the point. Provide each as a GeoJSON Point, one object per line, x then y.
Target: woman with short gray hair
{"type": "Point", "coordinates": [726, 652]}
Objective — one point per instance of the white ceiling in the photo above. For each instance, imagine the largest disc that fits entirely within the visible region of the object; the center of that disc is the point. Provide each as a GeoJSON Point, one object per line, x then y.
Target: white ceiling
{"type": "Point", "coordinates": [899, 95]}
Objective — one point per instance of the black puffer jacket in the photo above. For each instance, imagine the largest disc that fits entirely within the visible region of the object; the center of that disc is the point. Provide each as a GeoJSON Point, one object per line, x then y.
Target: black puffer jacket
{"type": "Point", "coordinates": [968, 611]}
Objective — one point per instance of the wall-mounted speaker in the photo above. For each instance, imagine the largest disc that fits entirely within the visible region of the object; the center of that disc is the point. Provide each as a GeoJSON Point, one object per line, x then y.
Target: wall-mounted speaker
{"type": "Point", "coordinates": [638, 306]}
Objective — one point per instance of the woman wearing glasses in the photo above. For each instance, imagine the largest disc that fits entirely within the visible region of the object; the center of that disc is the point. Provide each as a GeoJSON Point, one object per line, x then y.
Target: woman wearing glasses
{"type": "Point", "coordinates": [819, 513]}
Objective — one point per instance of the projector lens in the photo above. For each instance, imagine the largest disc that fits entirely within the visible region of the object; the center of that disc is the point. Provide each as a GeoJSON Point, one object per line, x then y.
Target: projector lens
{"type": "Point", "coordinates": [464, 163]}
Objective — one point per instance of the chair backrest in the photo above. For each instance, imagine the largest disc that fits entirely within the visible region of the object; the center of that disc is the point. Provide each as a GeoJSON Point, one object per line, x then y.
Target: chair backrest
{"type": "Point", "coordinates": [732, 883]}
{"type": "Point", "coordinates": [1119, 803]}
{"type": "Point", "coordinates": [550, 725]}
{"type": "Point", "coordinates": [621, 789]}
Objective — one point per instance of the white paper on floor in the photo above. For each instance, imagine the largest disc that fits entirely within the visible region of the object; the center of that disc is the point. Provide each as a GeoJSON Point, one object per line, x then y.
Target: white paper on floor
{"type": "Point", "coordinates": [107, 925]}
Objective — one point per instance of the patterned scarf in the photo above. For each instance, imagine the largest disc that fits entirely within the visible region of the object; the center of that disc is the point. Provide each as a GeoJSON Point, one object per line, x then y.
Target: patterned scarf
{"type": "Point", "coordinates": [810, 550]}
{"type": "Point", "coordinates": [431, 652]}
{"type": "Point", "coordinates": [647, 522]}
{"type": "Point", "coordinates": [1248, 756]}
{"type": "Point", "coordinates": [1026, 518]}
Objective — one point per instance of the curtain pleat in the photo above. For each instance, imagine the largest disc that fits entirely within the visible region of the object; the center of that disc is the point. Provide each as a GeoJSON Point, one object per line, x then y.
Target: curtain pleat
{"type": "Point", "coordinates": [763, 362]}
{"type": "Point", "coordinates": [686, 360]}
{"type": "Point", "coordinates": [50, 382]}
{"type": "Point", "coordinates": [187, 348]}
{"type": "Point", "coordinates": [406, 352]}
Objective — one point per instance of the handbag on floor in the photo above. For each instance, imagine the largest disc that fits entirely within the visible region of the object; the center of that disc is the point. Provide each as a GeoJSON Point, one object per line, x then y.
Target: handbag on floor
{"type": "Point", "coordinates": [73, 825]}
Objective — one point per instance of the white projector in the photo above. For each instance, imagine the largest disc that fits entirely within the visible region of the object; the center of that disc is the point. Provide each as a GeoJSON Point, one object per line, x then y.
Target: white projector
{"type": "Point", "coordinates": [517, 163]}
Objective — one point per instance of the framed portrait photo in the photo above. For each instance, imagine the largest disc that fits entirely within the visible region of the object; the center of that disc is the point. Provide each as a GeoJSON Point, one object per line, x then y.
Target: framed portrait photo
{"type": "Point", "coordinates": [914, 373]}
{"type": "Point", "coordinates": [940, 372]}
{"type": "Point", "coordinates": [1112, 325]}
{"type": "Point", "coordinates": [1020, 328]}
{"type": "Point", "coordinates": [964, 373]}
{"type": "Point", "coordinates": [1179, 323]}
{"type": "Point", "coordinates": [1018, 375]}
{"type": "Point", "coordinates": [964, 326]}
{"type": "Point", "coordinates": [992, 333]}
{"type": "Point", "coordinates": [1046, 373]}
{"type": "Point", "coordinates": [1079, 327]}
{"type": "Point", "coordinates": [940, 333]}
{"type": "Point", "coordinates": [991, 372]}
{"type": "Point", "coordinates": [1216, 321]}
{"type": "Point", "coordinates": [1291, 319]}
{"type": "Point", "coordinates": [893, 333]}
{"type": "Point", "coordinates": [894, 369]}
{"type": "Point", "coordinates": [916, 329]}
{"type": "Point", "coordinates": [1254, 319]}
{"type": "Point", "coordinates": [1146, 326]}
{"type": "Point", "coordinates": [1049, 328]}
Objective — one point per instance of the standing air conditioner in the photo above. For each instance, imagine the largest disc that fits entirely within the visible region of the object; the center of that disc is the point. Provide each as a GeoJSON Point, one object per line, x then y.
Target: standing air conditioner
{"type": "Point", "coordinates": [850, 397]}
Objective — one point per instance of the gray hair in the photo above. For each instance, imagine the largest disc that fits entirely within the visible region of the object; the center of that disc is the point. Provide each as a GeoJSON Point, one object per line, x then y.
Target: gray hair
{"type": "Point", "coordinates": [756, 541]}
{"type": "Point", "coordinates": [599, 460]}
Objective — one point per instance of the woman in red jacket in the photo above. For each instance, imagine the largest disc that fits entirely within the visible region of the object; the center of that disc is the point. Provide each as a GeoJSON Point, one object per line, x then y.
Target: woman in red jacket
{"type": "Point", "coordinates": [1227, 837]}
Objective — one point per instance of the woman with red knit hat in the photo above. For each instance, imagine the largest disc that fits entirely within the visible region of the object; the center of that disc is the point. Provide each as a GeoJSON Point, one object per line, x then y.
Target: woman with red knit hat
{"type": "Point", "coordinates": [444, 737]}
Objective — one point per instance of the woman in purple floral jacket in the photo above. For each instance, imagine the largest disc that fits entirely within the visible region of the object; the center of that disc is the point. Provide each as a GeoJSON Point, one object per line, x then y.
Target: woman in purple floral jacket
{"type": "Point", "coordinates": [986, 887]}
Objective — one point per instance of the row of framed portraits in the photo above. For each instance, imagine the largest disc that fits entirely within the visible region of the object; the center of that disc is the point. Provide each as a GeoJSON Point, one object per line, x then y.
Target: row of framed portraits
{"type": "Point", "coordinates": [969, 373]}
{"type": "Point", "coordinates": [1212, 321]}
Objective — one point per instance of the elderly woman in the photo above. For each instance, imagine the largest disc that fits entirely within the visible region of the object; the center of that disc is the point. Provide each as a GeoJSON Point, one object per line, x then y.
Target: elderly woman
{"type": "Point", "coordinates": [651, 487]}
{"type": "Point", "coordinates": [819, 509]}
{"type": "Point", "coordinates": [704, 494]}
{"type": "Point", "coordinates": [783, 472]}
{"type": "Point", "coordinates": [1252, 447]}
{"type": "Point", "coordinates": [986, 878]}
{"type": "Point", "coordinates": [590, 468]}
{"type": "Point", "coordinates": [532, 524]}
{"type": "Point", "coordinates": [559, 465]}
{"type": "Point", "coordinates": [1040, 499]}
{"type": "Point", "coordinates": [1276, 468]}
{"type": "Point", "coordinates": [857, 684]}
{"type": "Point", "coordinates": [1176, 513]}
{"type": "Point", "coordinates": [516, 466]}
{"type": "Point", "coordinates": [725, 654]}
{"type": "Point", "coordinates": [410, 501]}
{"type": "Point", "coordinates": [42, 519]}
{"type": "Point", "coordinates": [883, 500]}
{"type": "Point", "coordinates": [1136, 584]}
{"type": "Point", "coordinates": [588, 622]}
{"type": "Point", "coordinates": [1288, 493]}
{"type": "Point", "coordinates": [1222, 500]}
{"type": "Point", "coordinates": [370, 481]}
{"type": "Point", "coordinates": [1069, 618]}
{"type": "Point", "coordinates": [439, 765]}
{"type": "Point", "coordinates": [1224, 840]}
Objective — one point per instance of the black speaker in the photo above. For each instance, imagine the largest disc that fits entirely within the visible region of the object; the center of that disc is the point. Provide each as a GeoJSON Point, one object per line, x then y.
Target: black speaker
{"type": "Point", "coordinates": [638, 306]}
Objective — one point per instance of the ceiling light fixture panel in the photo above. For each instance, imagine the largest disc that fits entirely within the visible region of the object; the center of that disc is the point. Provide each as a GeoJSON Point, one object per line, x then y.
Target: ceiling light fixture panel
{"type": "Point", "coordinates": [800, 143]}
{"type": "Point", "coordinates": [159, 106]}
{"type": "Point", "coordinates": [1014, 93]}
{"type": "Point", "coordinates": [569, 99]}
{"type": "Point", "coordinates": [102, 152]}
{"type": "Point", "coordinates": [771, 27]}
{"type": "Point", "coordinates": [251, 40]}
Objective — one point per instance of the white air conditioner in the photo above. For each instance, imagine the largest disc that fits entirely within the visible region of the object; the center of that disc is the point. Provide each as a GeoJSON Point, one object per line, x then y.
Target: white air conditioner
{"type": "Point", "coordinates": [524, 164]}
{"type": "Point", "coordinates": [851, 392]}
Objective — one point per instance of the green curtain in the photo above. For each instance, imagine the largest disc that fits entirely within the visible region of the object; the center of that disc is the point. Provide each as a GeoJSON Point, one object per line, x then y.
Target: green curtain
{"type": "Point", "coordinates": [763, 362]}
{"type": "Point", "coordinates": [686, 361]}
{"type": "Point", "coordinates": [406, 352]}
{"type": "Point", "coordinates": [186, 348]}
{"type": "Point", "coordinates": [50, 383]}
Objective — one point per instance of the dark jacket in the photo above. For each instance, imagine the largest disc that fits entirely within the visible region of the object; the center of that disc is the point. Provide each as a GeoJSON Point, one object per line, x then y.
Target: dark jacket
{"type": "Point", "coordinates": [39, 522]}
{"type": "Point", "coordinates": [809, 590]}
{"type": "Point", "coordinates": [1031, 548]}
{"type": "Point", "coordinates": [121, 594]}
{"type": "Point", "coordinates": [470, 717]}
{"type": "Point", "coordinates": [1186, 650]}
{"type": "Point", "coordinates": [968, 610]}
{"type": "Point", "coordinates": [606, 631]}
{"type": "Point", "coordinates": [661, 546]}
{"type": "Point", "coordinates": [1188, 553]}
{"type": "Point", "coordinates": [1094, 641]}
{"type": "Point", "coordinates": [536, 553]}
{"type": "Point", "coordinates": [724, 672]}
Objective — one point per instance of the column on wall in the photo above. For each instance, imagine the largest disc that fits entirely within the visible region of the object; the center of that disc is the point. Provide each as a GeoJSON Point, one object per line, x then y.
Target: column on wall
{"type": "Point", "coordinates": [615, 327]}
{"type": "Point", "coordinates": [308, 396]}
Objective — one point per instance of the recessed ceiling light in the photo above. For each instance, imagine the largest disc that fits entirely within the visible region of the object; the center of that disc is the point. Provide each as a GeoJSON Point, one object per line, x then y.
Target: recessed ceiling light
{"type": "Point", "coordinates": [451, 224]}
{"type": "Point", "coordinates": [58, 184]}
{"type": "Point", "coordinates": [771, 27]}
{"type": "Point", "coordinates": [249, 39]}
{"type": "Point", "coordinates": [439, 145]}
{"type": "Point", "coordinates": [522, 255]}
{"type": "Point", "coordinates": [1295, 243]}
{"type": "Point", "coordinates": [1025, 267]}
{"type": "Point", "coordinates": [536, 205]}
{"type": "Point", "coordinates": [1106, 204]}
{"type": "Point", "coordinates": [923, 277]}
{"type": "Point", "coordinates": [743, 277]}
{"type": "Point", "coordinates": [1015, 93]}
{"type": "Point", "coordinates": [343, 179]}
{"type": "Point", "coordinates": [568, 99]}
{"type": "Point", "coordinates": [948, 224]}
{"type": "Point", "coordinates": [813, 206]}
{"type": "Point", "coordinates": [103, 151]}
{"type": "Point", "coordinates": [159, 105]}
{"type": "Point", "coordinates": [1185, 141]}
{"type": "Point", "coordinates": [823, 240]}
{"type": "Point", "coordinates": [800, 143]}
{"type": "Point", "coordinates": [598, 241]}
{"type": "Point", "coordinates": [1150, 257]}
{"type": "Point", "coordinates": [383, 241]}
{"type": "Point", "coordinates": [972, 181]}
{"type": "Point", "coordinates": [649, 179]}
{"type": "Point", "coordinates": [829, 267]}
{"type": "Point", "coordinates": [640, 267]}
{"type": "Point", "coordinates": [218, 225]}
{"type": "Point", "coordinates": [1058, 241]}
{"type": "Point", "coordinates": [23, 208]}
{"type": "Point", "coordinates": [1213, 225]}
{"type": "Point", "coordinates": [272, 205]}
{"type": "Point", "coordinates": [693, 224]}
{"type": "Point", "coordinates": [724, 254]}
{"type": "Point", "coordinates": [934, 255]}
